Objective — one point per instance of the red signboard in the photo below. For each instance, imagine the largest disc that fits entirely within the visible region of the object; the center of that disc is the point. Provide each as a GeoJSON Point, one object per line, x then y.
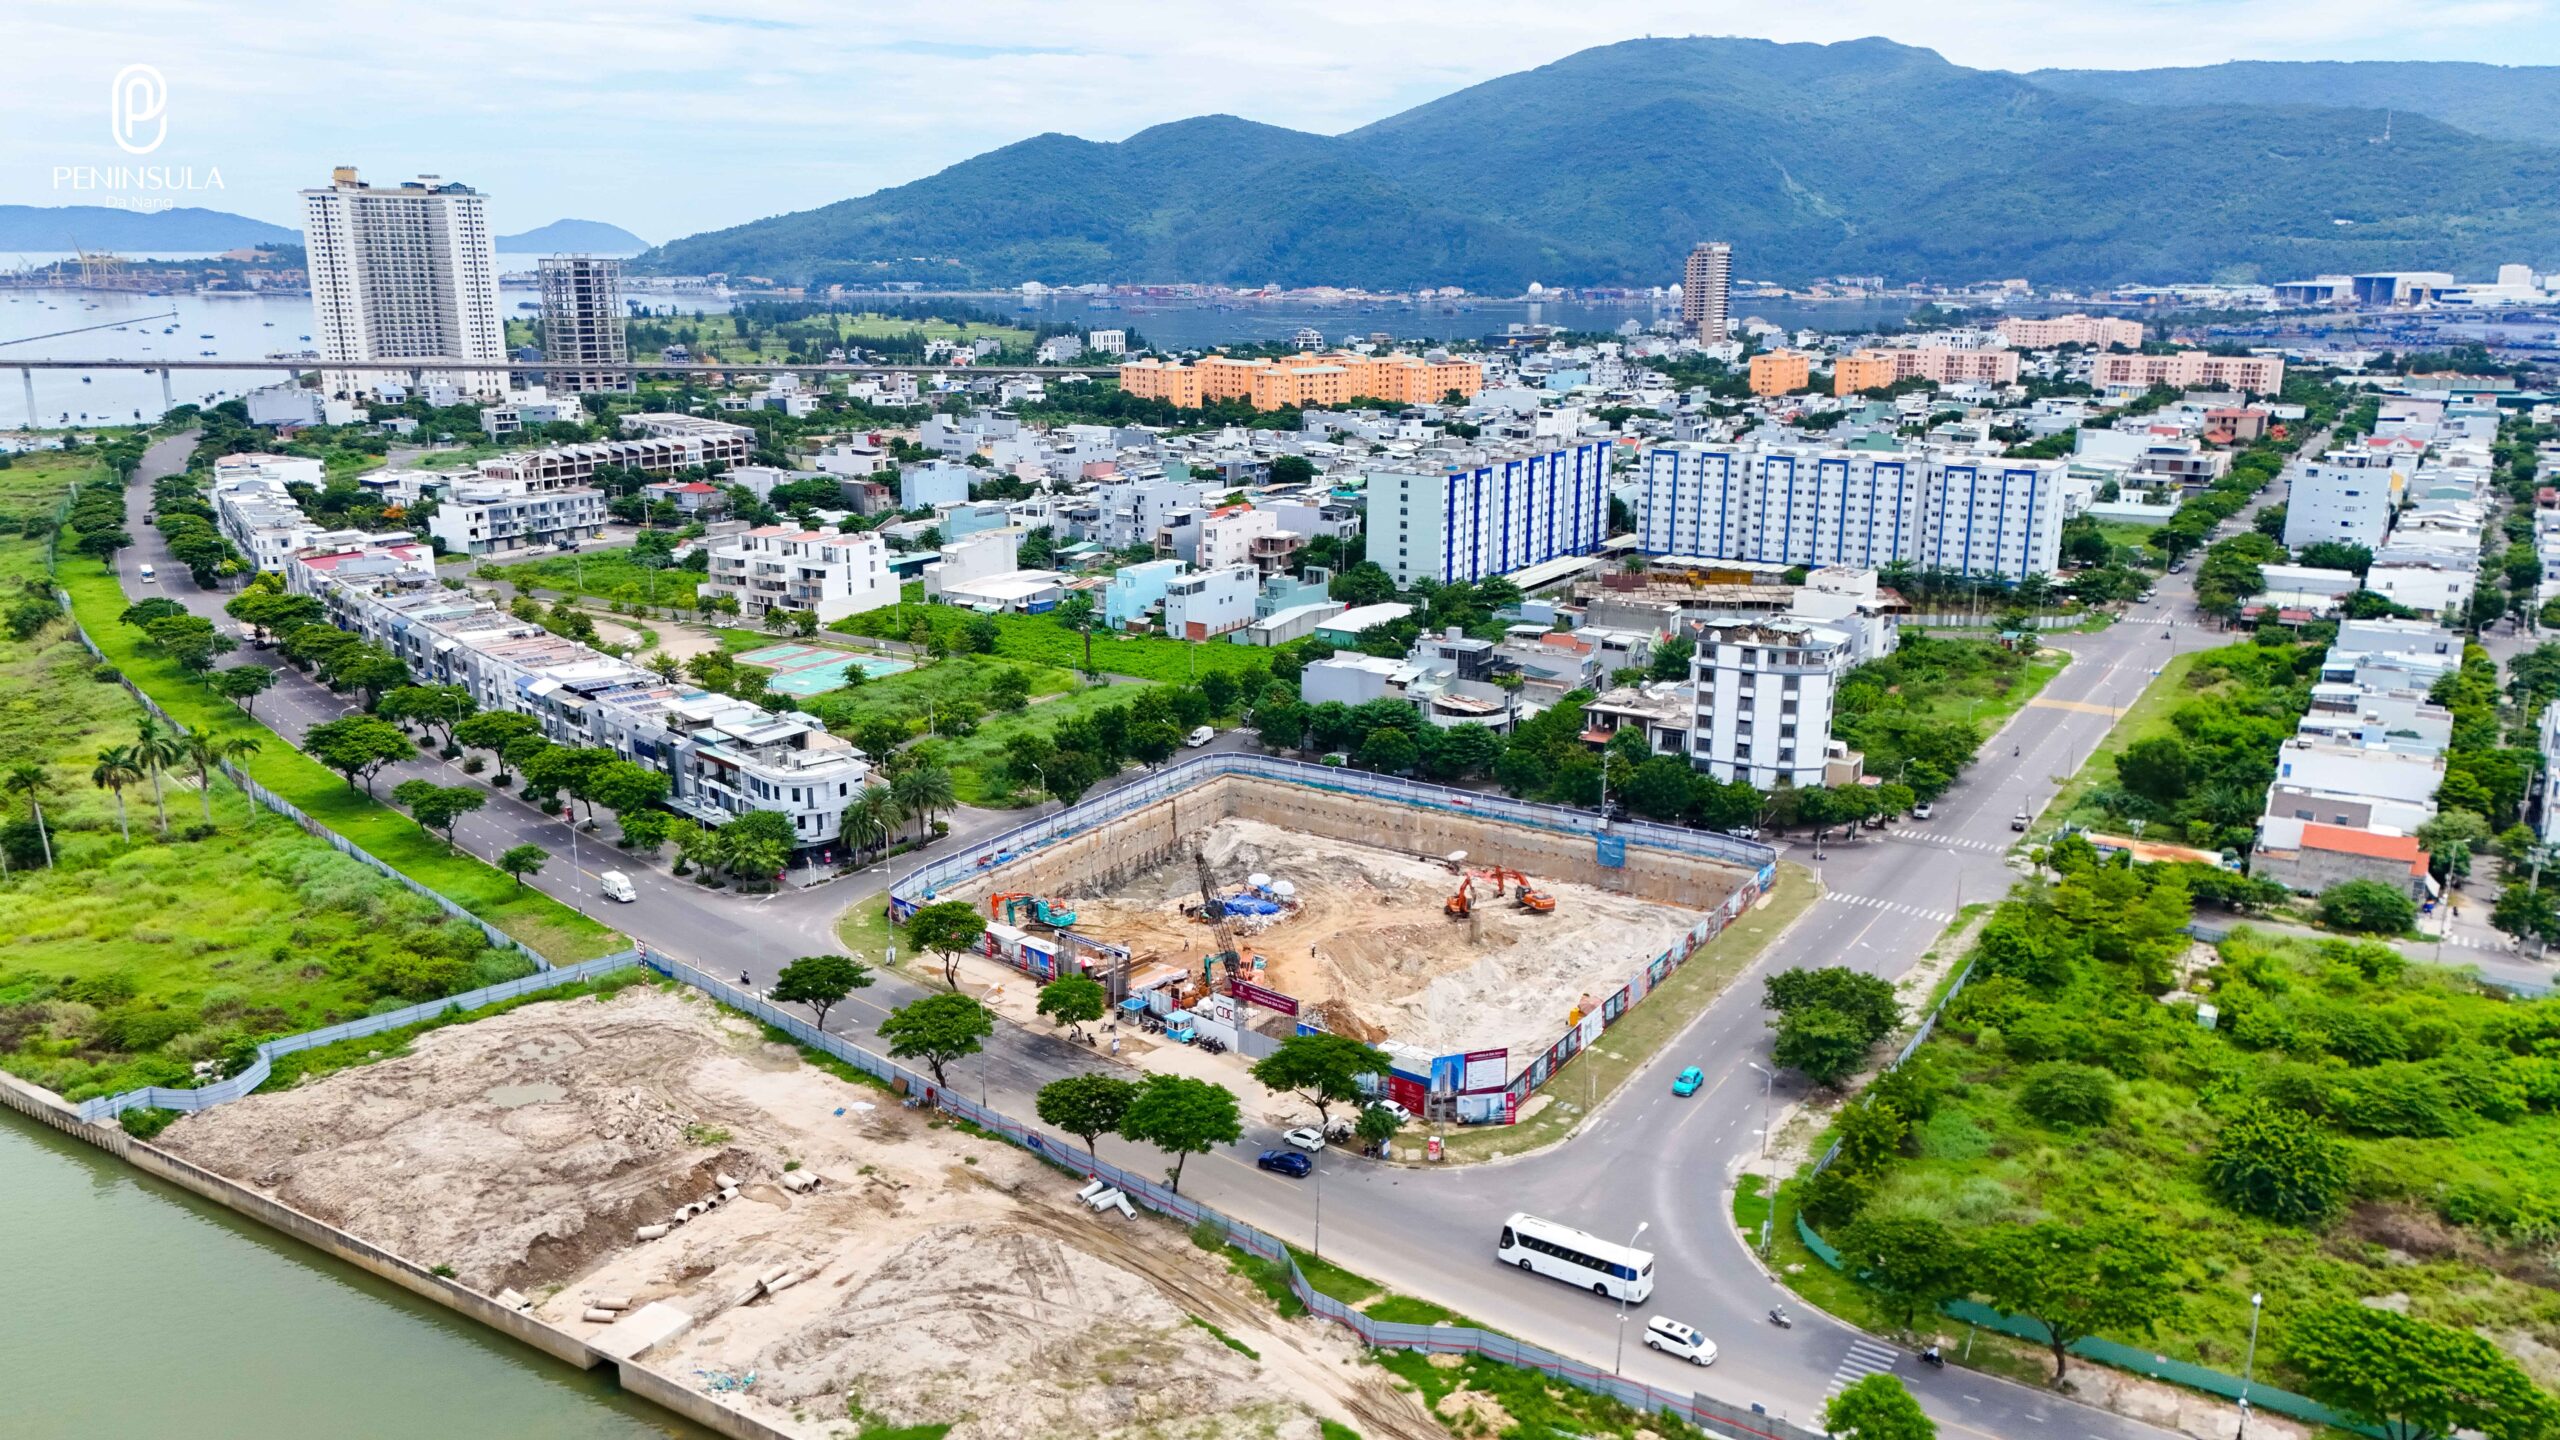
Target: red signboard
{"type": "Point", "coordinates": [1252, 994]}
{"type": "Point", "coordinates": [1511, 1107]}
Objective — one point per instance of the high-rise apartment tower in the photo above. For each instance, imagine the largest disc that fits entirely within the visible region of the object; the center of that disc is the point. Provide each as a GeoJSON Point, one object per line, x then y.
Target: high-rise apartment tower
{"type": "Point", "coordinates": [405, 272]}
{"type": "Point", "coordinates": [582, 325]}
{"type": "Point", "coordinates": [1706, 290]}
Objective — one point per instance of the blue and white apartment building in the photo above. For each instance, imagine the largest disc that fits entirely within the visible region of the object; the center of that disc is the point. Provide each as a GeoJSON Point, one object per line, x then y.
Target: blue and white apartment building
{"type": "Point", "coordinates": [1463, 515]}
{"type": "Point", "coordinates": [1804, 505]}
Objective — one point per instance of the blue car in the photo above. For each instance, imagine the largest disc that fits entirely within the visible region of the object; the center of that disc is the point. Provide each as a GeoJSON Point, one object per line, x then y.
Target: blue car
{"type": "Point", "coordinates": [1688, 1081]}
{"type": "Point", "coordinates": [1286, 1162]}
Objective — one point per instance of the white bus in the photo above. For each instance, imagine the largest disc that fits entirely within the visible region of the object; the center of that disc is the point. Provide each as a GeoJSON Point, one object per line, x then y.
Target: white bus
{"type": "Point", "coordinates": [1563, 1253]}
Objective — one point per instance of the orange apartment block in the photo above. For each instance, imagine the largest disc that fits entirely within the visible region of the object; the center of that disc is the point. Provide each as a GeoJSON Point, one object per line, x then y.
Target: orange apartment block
{"type": "Point", "coordinates": [1303, 380]}
{"type": "Point", "coordinates": [2193, 370]}
{"type": "Point", "coordinates": [1941, 364]}
{"type": "Point", "coordinates": [2098, 330]}
{"type": "Point", "coordinates": [1781, 372]}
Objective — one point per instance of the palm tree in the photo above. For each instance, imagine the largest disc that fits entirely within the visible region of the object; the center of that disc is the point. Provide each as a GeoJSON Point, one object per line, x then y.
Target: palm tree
{"type": "Point", "coordinates": [907, 789]}
{"type": "Point", "coordinates": [156, 750]}
{"type": "Point", "coordinates": [206, 752]}
{"type": "Point", "coordinates": [28, 778]}
{"type": "Point", "coordinates": [116, 768]}
{"type": "Point", "coordinates": [865, 822]}
{"type": "Point", "coordinates": [934, 790]}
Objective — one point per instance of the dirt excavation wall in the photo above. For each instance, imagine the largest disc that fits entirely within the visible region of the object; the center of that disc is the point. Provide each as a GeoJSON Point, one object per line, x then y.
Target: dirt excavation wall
{"type": "Point", "coordinates": [1160, 834]}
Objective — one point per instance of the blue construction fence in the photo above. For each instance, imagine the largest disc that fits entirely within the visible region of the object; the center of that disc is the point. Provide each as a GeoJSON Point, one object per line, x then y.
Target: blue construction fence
{"type": "Point", "coordinates": [2113, 1353]}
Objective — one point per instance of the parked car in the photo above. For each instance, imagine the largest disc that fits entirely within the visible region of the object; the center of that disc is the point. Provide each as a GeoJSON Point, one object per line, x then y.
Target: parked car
{"type": "Point", "coordinates": [1285, 1162]}
{"type": "Point", "coordinates": [1744, 832]}
{"type": "Point", "coordinates": [1402, 1114]}
{"type": "Point", "coordinates": [1683, 1341]}
{"type": "Point", "coordinates": [1305, 1137]}
{"type": "Point", "coordinates": [1200, 737]}
{"type": "Point", "coordinates": [1923, 810]}
{"type": "Point", "coordinates": [1687, 1081]}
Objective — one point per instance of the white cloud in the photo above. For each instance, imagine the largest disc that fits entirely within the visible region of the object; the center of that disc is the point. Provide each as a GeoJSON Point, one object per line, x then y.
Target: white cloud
{"type": "Point", "coordinates": [670, 117]}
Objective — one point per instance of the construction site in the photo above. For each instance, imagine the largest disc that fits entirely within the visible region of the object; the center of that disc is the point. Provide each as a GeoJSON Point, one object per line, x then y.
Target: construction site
{"type": "Point", "coordinates": [1432, 932]}
{"type": "Point", "coordinates": [657, 1179]}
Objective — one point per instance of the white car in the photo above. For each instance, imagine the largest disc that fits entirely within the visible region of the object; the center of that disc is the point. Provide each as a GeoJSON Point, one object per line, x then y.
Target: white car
{"type": "Point", "coordinates": [1922, 811]}
{"type": "Point", "coordinates": [1305, 1137]}
{"type": "Point", "coordinates": [1680, 1341]}
{"type": "Point", "coordinates": [1402, 1114]}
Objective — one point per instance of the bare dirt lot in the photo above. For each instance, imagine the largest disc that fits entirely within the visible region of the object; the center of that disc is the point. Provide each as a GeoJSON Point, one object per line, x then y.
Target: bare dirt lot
{"type": "Point", "coordinates": [937, 1278]}
{"type": "Point", "coordinates": [1372, 949]}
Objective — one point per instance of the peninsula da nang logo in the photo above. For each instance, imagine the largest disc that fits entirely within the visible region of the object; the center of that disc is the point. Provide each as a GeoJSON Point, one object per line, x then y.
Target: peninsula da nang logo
{"type": "Point", "coordinates": [138, 121]}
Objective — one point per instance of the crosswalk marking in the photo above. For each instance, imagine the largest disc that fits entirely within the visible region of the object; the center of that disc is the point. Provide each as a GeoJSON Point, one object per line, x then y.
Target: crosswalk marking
{"type": "Point", "coordinates": [1865, 1358]}
{"type": "Point", "coordinates": [1942, 842]}
{"type": "Point", "coordinates": [1895, 906]}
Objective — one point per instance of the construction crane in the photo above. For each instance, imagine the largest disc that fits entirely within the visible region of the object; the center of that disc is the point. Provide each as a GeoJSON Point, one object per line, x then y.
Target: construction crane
{"type": "Point", "coordinates": [1213, 908]}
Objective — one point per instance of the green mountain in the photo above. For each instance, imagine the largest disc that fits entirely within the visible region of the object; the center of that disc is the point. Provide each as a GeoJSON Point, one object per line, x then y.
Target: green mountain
{"type": "Point", "coordinates": [2503, 102]}
{"type": "Point", "coordinates": [51, 228]}
{"type": "Point", "coordinates": [573, 237]}
{"type": "Point", "coordinates": [1604, 167]}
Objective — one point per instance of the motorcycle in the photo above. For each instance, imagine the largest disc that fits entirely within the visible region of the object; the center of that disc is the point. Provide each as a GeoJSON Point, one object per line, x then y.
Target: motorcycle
{"type": "Point", "coordinates": [1931, 1358]}
{"type": "Point", "coordinates": [1779, 1318]}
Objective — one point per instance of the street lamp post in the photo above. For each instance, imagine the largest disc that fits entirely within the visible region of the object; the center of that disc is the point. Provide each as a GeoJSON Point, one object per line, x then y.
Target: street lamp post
{"type": "Point", "coordinates": [1620, 1368]}
{"type": "Point", "coordinates": [2249, 1370]}
{"type": "Point", "coordinates": [1768, 1077]}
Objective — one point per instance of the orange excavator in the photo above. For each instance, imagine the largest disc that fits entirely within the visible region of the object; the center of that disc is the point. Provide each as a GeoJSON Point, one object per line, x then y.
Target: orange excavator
{"type": "Point", "coordinates": [1460, 904]}
{"type": "Point", "coordinates": [1530, 897]}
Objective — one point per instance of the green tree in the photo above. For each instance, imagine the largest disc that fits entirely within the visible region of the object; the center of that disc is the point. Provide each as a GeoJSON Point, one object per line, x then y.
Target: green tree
{"type": "Point", "coordinates": [626, 788]}
{"type": "Point", "coordinates": [116, 768]}
{"type": "Point", "coordinates": [1876, 1407]}
{"type": "Point", "coordinates": [1822, 1043]}
{"type": "Point", "coordinates": [438, 707]}
{"type": "Point", "coordinates": [1085, 1106]}
{"type": "Point", "coordinates": [949, 928]}
{"type": "Point", "coordinates": [1912, 1262]}
{"type": "Point", "coordinates": [243, 684]}
{"type": "Point", "coordinates": [438, 807]}
{"type": "Point", "coordinates": [2275, 1163]}
{"type": "Point", "coordinates": [1073, 1001]}
{"type": "Point", "coordinates": [30, 779]}
{"type": "Point", "coordinates": [1325, 1069]}
{"type": "Point", "coordinates": [357, 746]}
{"type": "Point", "coordinates": [494, 731]}
{"type": "Point", "coordinates": [1389, 751]}
{"type": "Point", "coordinates": [2111, 1278]}
{"type": "Point", "coordinates": [2060, 1092]}
{"type": "Point", "coordinates": [156, 750]}
{"type": "Point", "coordinates": [819, 982]}
{"type": "Point", "coordinates": [2367, 907]}
{"type": "Point", "coordinates": [523, 860]}
{"type": "Point", "coordinates": [937, 1030]}
{"type": "Point", "coordinates": [1867, 999]}
{"type": "Point", "coordinates": [1078, 613]}
{"type": "Point", "coordinates": [1182, 1117]}
{"type": "Point", "coordinates": [208, 753]}
{"type": "Point", "coordinates": [2413, 1379]}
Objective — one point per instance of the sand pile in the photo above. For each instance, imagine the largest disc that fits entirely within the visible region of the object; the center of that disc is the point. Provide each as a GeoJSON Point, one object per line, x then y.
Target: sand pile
{"type": "Point", "coordinates": [1372, 947]}
{"type": "Point", "coordinates": [937, 1278]}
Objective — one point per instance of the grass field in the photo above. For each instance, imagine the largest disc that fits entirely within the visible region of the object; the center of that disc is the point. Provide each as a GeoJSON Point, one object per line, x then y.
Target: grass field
{"type": "Point", "coordinates": [605, 575]}
{"type": "Point", "coordinates": [977, 759]}
{"type": "Point", "coordinates": [1044, 640]}
{"type": "Point", "coordinates": [716, 336]}
{"type": "Point", "coordinates": [1594, 1076]}
{"type": "Point", "coordinates": [549, 927]}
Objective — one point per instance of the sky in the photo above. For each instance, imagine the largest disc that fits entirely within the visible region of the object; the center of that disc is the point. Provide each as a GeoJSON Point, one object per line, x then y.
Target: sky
{"type": "Point", "coordinates": [674, 116]}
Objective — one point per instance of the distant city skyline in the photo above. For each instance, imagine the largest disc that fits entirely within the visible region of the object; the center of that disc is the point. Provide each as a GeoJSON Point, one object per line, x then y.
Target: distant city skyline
{"type": "Point", "coordinates": [668, 120]}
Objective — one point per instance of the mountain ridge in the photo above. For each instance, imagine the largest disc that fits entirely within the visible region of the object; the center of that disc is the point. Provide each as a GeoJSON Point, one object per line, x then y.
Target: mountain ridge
{"type": "Point", "coordinates": [565, 237]}
{"type": "Point", "coordinates": [2499, 102]}
{"type": "Point", "coordinates": [65, 228]}
{"type": "Point", "coordinates": [1604, 166]}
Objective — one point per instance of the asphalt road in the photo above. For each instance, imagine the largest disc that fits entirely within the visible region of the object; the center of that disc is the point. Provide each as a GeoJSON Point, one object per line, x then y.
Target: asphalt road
{"type": "Point", "coordinates": [1646, 1158]}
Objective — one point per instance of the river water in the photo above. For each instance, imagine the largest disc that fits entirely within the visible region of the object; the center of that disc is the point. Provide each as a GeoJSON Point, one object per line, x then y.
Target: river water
{"type": "Point", "coordinates": [129, 1307]}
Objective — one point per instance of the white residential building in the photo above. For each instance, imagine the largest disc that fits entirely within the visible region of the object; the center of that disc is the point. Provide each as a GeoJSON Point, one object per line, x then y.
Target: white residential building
{"type": "Point", "coordinates": [1209, 603]}
{"type": "Point", "coordinates": [1763, 693]}
{"type": "Point", "coordinates": [1462, 515]}
{"type": "Point", "coordinates": [723, 757]}
{"type": "Point", "coordinates": [1107, 342]}
{"type": "Point", "coordinates": [489, 514]}
{"type": "Point", "coordinates": [1801, 505]}
{"type": "Point", "coordinates": [787, 568]}
{"type": "Point", "coordinates": [1230, 537]}
{"type": "Point", "coordinates": [985, 554]}
{"type": "Point", "coordinates": [405, 272]}
{"type": "Point", "coordinates": [2346, 498]}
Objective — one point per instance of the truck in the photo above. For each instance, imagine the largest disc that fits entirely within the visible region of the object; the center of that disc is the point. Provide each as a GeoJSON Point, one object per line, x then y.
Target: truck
{"type": "Point", "coordinates": [614, 885]}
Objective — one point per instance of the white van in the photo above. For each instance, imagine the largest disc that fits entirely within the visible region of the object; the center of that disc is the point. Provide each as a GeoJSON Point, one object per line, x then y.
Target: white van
{"type": "Point", "coordinates": [1679, 1341]}
{"type": "Point", "coordinates": [150, 576]}
{"type": "Point", "coordinates": [1200, 737]}
{"type": "Point", "coordinates": [614, 885]}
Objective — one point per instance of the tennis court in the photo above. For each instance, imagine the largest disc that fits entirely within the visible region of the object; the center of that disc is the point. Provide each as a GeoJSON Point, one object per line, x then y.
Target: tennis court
{"type": "Point", "coordinates": [806, 670]}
